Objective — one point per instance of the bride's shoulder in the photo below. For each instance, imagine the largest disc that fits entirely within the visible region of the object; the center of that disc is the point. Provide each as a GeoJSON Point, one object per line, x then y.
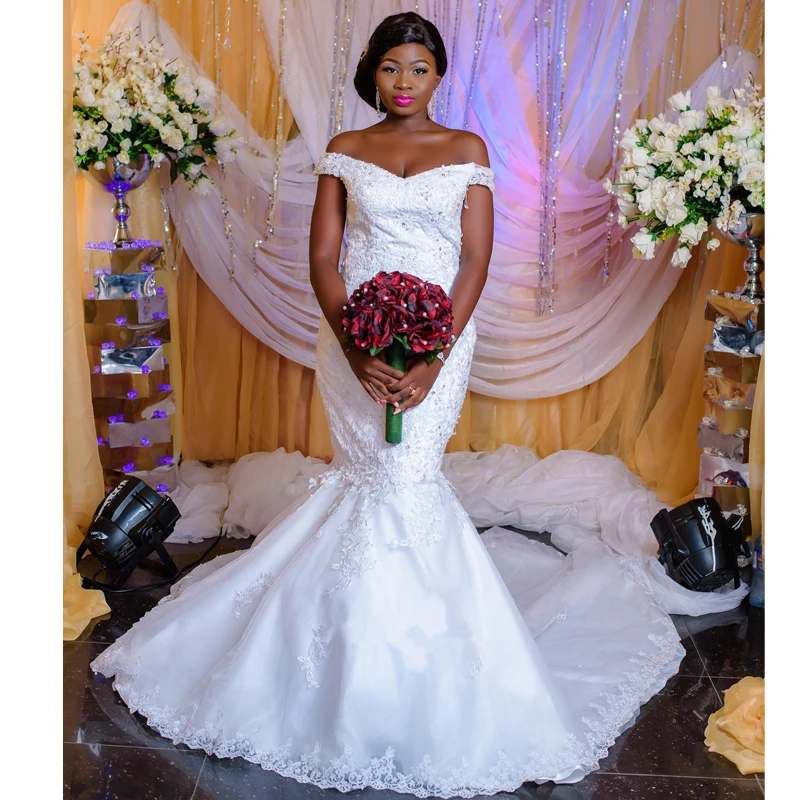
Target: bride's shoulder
{"type": "Point", "coordinates": [346, 143]}
{"type": "Point", "coordinates": [471, 147]}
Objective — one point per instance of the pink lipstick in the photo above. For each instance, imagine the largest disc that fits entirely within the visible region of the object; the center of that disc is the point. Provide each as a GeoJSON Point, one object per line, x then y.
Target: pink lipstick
{"type": "Point", "coordinates": [403, 99]}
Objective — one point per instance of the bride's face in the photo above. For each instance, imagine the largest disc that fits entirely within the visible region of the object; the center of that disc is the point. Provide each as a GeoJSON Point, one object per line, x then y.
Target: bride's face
{"type": "Point", "coordinates": [406, 78]}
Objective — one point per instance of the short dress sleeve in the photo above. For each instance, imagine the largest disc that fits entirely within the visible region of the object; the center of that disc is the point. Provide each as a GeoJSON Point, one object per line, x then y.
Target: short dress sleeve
{"type": "Point", "coordinates": [329, 164]}
{"type": "Point", "coordinates": [482, 175]}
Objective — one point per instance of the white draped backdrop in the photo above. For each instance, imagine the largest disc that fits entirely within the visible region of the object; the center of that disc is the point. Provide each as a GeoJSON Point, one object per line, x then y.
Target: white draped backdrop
{"type": "Point", "coordinates": [613, 50]}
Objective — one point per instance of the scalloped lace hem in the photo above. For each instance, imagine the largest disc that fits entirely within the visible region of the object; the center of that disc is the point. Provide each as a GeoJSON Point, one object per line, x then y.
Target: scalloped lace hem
{"type": "Point", "coordinates": [614, 712]}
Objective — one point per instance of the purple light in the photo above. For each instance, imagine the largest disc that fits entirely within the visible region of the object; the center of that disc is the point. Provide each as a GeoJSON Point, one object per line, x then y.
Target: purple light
{"type": "Point", "coordinates": [107, 271]}
{"type": "Point", "coordinates": [114, 418]}
{"type": "Point", "coordinates": [100, 440]}
{"type": "Point", "coordinates": [159, 415]}
{"type": "Point", "coordinates": [96, 370]}
{"type": "Point", "coordinates": [145, 441]}
{"type": "Point", "coordinates": [135, 295]}
{"type": "Point", "coordinates": [90, 295]}
{"type": "Point", "coordinates": [121, 320]}
{"type": "Point", "coordinates": [162, 487]}
{"type": "Point", "coordinates": [165, 362]}
{"type": "Point", "coordinates": [136, 244]}
{"type": "Point", "coordinates": [145, 369]}
{"type": "Point", "coordinates": [129, 467]}
{"type": "Point", "coordinates": [147, 268]}
{"type": "Point", "coordinates": [107, 346]}
{"type": "Point", "coordinates": [164, 460]}
{"type": "Point", "coordinates": [164, 387]}
{"type": "Point", "coordinates": [161, 290]}
{"type": "Point", "coordinates": [154, 342]}
{"type": "Point", "coordinates": [155, 315]}
{"type": "Point", "coordinates": [132, 394]}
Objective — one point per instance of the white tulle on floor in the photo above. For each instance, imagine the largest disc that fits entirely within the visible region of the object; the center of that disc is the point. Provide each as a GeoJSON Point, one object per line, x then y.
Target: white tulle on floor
{"type": "Point", "coordinates": [582, 499]}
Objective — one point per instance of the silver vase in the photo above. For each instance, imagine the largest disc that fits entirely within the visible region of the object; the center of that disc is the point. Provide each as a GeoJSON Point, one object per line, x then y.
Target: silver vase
{"type": "Point", "coordinates": [749, 232]}
{"type": "Point", "coordinates": [119, 179]}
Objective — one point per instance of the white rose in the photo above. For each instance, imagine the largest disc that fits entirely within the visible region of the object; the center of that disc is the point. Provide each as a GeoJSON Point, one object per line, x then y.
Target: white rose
{"type": "Point", "coordinates": [680, 258]}
{"type": "Point", "coordinates": [86, 96]}
{"type": "Point", "coordinates": [623, 221]}
{"type": "Point", "coordinates": [687, 148]}
{"type": "Point", "coordinates": [692, 120]}
{"type": "Point", "coordinates": [665, 145]}
{"type": "Point", "coordinates": [111, 110]}
{"type": "Point", "coordinates": [680, 101]}
{"type": "Point", "coordinates": [171, 137]}
{"type": "Point", "coordinates": [627, 175]}
{"type": "Point", "coordinates": [608, 186]}
{"type": "Point", "coordinates": [206, 94]}
{"type": "Point", "coordinates": [692, 232]}
{"type": "Point", "coordinates": [676, 214]}
{"type": "Point", "coordinates": [99, 164]}
{"type": "Point", "coordinates": [712, 244]}
{"type": "Point", "coordinates": [657, 124]}
{"type": "Point", "coordinates": [628, 207]}
{"type": "Point", "coordinates": [219, 126]}
{"type": "Point", "coordinates": [123, 157]}
{"type": "Point", "coordinates": [126, 144]}
{"type": "Point", "coordinates": [629, 140]}
{"type": "Point", "coordinates": [644, 244]}
{"type": "Point", "coordinates": [714, 101]}
{"type": "Point", "coordinates": [713, 192]}
{"type": "Point", "coordinates": [751, 156]}
{"type": "Point", "coordinates": [225, 149]}
{"type": "Point", "coordinates": [756, 199]}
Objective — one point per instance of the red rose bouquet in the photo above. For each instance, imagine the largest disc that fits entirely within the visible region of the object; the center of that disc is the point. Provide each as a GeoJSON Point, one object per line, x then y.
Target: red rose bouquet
{"type": "Point", "coordinates": [402, 314]}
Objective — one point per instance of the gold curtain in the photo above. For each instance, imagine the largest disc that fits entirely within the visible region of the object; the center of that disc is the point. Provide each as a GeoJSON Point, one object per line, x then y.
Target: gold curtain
{"type": "Point", "coordinates": [240, 396]}
{"type": "Point", "coordinates": [83, 477]}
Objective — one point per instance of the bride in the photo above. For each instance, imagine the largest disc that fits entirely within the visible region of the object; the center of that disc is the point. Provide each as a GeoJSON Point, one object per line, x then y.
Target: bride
{"type": "Point", "coordinates": [370, 636]}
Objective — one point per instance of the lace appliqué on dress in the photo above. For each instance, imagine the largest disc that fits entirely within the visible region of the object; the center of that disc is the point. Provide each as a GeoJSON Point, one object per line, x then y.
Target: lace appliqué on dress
{"type": "Point", "coordinates": [259, 587]}
{"type": "Point", "coordinates": [316, 655]}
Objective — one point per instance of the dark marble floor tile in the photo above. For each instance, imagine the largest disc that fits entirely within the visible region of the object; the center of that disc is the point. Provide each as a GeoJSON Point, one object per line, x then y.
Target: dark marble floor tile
{"type": "Point", "coordinates": [131, 607]}
{"type": "Point", "coordinates": [731, 644]}
{"type": "Point", "coordinates": [668, 737]}
{"type": "Point", "coordinates": [93, 713]}
{"type": "Point", "coordinates": [692, 665]}
{"type": "Point", "coordinates": [606, 786]}
{"type": "Point", "coordinates": [128, 773]}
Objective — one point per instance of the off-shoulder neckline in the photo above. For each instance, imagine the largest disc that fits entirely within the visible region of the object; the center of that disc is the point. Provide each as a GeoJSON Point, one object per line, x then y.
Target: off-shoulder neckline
{"type": "Point", "coordinates": [406, 177]}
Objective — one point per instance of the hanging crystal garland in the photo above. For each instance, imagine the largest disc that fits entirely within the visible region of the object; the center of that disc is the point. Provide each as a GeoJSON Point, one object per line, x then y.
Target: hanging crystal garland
{"type": "Point", "coordinates": [165, 218]}
{"type": "Point", "coordinates": [227, 43]}
{"type": "Point", "coordinates": [218, 82]}
{"type": "Point", "coordinates": [760, 46]}
{"type": "Point", "coordinates": [684, 48]}
{"type": "Point", "coordinates": [279, 137]}
{"type": "Point", "coordinates": [342, 36]}
{"type": "Point", "coordinates": [745, 21]}
{"type": "Point", "coordinates": [453, 58]}
{"type": "Point", "coordinates": [722, 33]}
{"type": "Point", "coordinates": [550, 68]}
{"type": "Point", "coordinates": [615, 137]}
{"type": "Point", "coordinates": [647, 49]}
{"type": "Point", "coordinates": [476, 57]}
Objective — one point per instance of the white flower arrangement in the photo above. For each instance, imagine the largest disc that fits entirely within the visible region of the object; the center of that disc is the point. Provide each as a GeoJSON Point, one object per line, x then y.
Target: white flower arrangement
{"type": "Point", "coordinates": [679, 178]}
{"type": "Point", "coordinates": [130, 101]}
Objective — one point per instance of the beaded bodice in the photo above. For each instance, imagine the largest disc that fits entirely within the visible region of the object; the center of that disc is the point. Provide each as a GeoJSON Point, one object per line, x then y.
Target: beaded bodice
{"type": "Point", "coordinates": [409, 224]}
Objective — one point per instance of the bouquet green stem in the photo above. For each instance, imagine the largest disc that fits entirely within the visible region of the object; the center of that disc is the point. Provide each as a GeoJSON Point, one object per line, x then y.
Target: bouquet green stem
{"type": "Point", "coordinates": [395, 357]}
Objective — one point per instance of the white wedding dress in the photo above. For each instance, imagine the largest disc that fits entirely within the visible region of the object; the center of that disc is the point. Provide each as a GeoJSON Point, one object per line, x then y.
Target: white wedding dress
{"type": "Point", "coordinates": [370, 636]}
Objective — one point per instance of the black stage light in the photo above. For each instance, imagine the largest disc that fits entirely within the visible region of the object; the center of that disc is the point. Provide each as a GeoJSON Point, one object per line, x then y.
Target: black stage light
{"type": "Point", "coordinates": [697, 545]}
{"type": "Point", "coordinates": [131, 522]}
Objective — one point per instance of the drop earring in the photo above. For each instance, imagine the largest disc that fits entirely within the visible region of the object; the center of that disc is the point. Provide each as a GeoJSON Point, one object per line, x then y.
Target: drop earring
{"type": "Point", "coordinates": [377, 102]}
{"type": "Point", "coordinates": [432, 103]}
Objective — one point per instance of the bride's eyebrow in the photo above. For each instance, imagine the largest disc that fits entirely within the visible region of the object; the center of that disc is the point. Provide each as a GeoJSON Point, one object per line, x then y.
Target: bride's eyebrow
{"type": "Point", "coordinates": [415, 61]}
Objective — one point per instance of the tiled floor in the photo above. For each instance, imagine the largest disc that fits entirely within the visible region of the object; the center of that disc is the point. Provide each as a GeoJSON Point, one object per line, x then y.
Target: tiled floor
{"type": "Point", "coordinates": [111, 753]}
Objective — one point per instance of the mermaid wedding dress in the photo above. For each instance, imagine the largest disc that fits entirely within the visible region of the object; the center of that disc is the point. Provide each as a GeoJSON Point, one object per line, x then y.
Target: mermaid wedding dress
{"type": "Point", "coordinates": [369, 636]}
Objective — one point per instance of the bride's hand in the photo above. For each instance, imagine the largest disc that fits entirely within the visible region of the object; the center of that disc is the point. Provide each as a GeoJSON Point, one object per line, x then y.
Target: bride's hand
{"type": "Point", "coordinates": [414, 387]}
{"type": "Point", "coordinates": [373, 372]}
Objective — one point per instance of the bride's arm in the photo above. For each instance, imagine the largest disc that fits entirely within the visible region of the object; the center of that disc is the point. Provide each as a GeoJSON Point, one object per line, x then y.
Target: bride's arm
{"type": "Point", "coordinates": [324, 247]}
{"type": "Point", "coordinates": [477, 225]}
